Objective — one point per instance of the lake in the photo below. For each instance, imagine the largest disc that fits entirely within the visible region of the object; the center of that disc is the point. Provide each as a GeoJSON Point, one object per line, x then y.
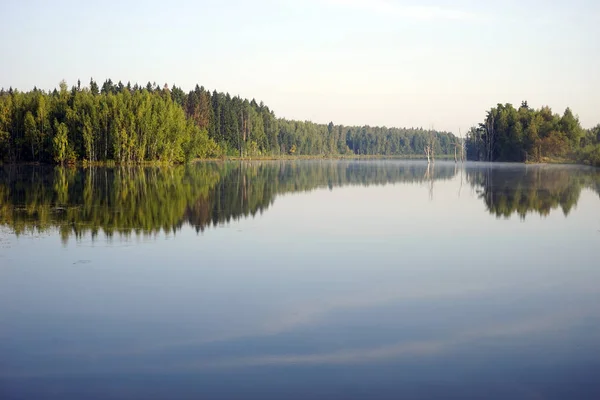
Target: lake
{"type": "Point", "coordinates": [300, 280]}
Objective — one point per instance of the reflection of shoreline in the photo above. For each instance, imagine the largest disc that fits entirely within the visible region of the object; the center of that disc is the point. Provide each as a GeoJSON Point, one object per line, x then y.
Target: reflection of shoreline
{"type": "Point", "coordinates": [533, 188]}
{"type": "Point", "coordinates": [149, 200]}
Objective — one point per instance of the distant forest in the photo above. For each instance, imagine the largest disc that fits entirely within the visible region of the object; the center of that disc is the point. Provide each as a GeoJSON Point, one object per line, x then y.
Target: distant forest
{"type": "Point", "coordinates": [529, 135]}
{"type": "Point", "coordinates": [122, 123]}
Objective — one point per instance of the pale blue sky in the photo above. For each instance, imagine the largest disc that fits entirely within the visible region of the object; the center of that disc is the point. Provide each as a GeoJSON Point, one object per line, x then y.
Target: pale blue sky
{"type": "Point", "coordinates": [376, 62]}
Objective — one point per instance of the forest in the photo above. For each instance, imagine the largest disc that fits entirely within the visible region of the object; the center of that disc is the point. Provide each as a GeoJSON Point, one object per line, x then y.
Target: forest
{"type": "Point", "coordinates": [125, 124]}
{"type": "Point", "coordinates": [532, 135]}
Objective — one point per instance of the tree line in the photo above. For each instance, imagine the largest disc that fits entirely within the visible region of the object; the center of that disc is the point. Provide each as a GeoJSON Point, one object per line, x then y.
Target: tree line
{"type": "Point", "coordinates": [532, 135]}
{"type": "Point", "coordinates": [132, 124]}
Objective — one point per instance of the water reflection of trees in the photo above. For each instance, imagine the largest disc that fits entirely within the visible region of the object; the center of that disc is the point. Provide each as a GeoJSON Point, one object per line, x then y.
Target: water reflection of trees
{"type": "Point", "coordinates": [116, 200]}
{"type": "Point", "coordinates": [147, 200]}
{"type": "Point", "coordinates": [521, 190]}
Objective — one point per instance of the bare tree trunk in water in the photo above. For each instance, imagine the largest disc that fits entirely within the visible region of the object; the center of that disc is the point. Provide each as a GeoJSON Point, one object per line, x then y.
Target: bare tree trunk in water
{"type": "Point", "coordinates": [461, 181]}
{"type": "Point", "coordinates": [431, 139]}
{"type": "Point", "coordinates": [429, 173]}
{"type": "Point", "coordinates": [431, 179]}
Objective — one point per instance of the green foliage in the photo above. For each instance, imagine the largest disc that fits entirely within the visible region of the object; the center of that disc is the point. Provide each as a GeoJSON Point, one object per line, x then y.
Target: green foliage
{"type": "Point", "coordinates": [590, 154]}
{"type": "Point", "coordinates": [61, 142]}
{"type": "Point", "coordinates": [124, 124]}
{"type": "Point", "coordinates": [590, 147]}
{"type": "Point", "coordinates": [118, 124]}
{"type": "Point", "coordinates": [526, 134]}
{"type": "Point", "coordinates": [31, 133]}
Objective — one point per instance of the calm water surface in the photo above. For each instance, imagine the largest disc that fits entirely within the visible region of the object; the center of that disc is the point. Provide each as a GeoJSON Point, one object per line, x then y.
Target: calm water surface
{"type": "Point", "coordinates": [300, 280]}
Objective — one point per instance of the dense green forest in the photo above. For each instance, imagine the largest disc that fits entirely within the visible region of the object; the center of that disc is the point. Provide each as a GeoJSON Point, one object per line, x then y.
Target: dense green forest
{"type": "Point", "coordinates": [132, 124]}
{"type": "Point", "coordinates": [529, 135]}
{"type": "Point", "coordinates": [147, 200]}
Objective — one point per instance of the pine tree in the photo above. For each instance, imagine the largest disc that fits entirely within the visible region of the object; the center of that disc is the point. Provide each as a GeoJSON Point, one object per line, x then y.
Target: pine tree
{"type": "Point", "coordinates": [94, 87]}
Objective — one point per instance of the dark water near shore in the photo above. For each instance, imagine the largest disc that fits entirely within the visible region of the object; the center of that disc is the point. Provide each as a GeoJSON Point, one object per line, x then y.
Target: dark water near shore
{"type": "Point", "coordinates": [300, 280]}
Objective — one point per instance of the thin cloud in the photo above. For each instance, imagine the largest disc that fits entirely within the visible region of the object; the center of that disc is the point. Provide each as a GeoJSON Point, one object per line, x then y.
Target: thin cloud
{"type": "Point", "coordinates": [563, 319]}
{"type": "Point", "coordinates": [395, 10]}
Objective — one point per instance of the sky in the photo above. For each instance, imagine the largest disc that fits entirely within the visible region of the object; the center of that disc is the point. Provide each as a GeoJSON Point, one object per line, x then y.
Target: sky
{"type": "Point", "coordinates": [433, 63]}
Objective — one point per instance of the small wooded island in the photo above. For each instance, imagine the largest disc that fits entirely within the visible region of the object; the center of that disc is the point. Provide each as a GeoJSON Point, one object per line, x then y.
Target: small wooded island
{"type": "Point", "coordinates": [134, 124]}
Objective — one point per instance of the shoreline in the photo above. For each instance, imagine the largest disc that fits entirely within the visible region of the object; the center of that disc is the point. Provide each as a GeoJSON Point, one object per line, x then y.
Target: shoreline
{"type": "Point", "coordinates": [86, 164]}
{"type": "Point", "coordinates": [415, 157]}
